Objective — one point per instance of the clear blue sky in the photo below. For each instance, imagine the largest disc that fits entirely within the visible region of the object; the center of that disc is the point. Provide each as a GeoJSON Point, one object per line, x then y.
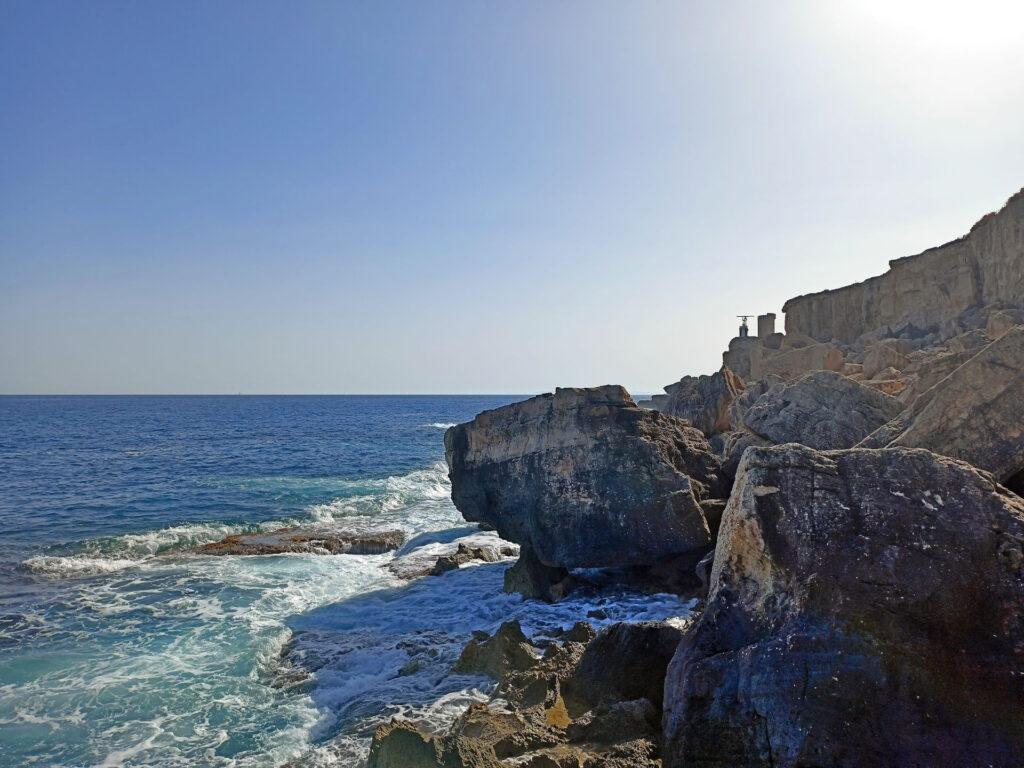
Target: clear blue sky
{"type": "Point", "coordinates": [471, 196]}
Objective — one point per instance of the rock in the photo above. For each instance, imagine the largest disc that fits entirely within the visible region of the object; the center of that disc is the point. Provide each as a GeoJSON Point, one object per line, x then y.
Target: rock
{"type": "Point", "coordinates": [793, 363]}
{"type": "Point", "coordinates": [536, 581]}
{"type": "Point", "coordinates": [654, 402]}
{"type": "Point", "coordinates": [891, 386]}
{"type": "Point", "coordinates": [584, 478]}
{"type": "Point", "coordinates": [507, 651]}
{"type": "Point", "coordinates": [467, 554]}
{"type": "Point", "coordinates": [1002, 321]}
{"type": "Point", "coordinates": [821, 410]}
{"type": "Point", "coordinates": [888, 353]}
{"type": "Point", "coordinates": [704, 400]}
{"type": "Point", "coordinates": [925, 292]}
{"type": "Point", "coordinates": [739, 407]}
{"type": "Point", "coordinates": [734, 445]}
{"type": "Point", "coordinates": [402, 745]}
{"type": "Point", "coordinates": [316, 541]}
{"type": "Point", "coordinates": [617, 721]}
{"type": "Point", "coordinates": [624, 662]}
{"type": "Point", "coordinates": [974, 414]}
{"type": "Point", "coordinates": [866, 608]}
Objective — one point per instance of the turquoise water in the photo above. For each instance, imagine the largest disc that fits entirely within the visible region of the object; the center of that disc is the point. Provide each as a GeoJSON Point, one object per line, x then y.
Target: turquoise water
{"type": "Point", "coordinates": [118, 646]}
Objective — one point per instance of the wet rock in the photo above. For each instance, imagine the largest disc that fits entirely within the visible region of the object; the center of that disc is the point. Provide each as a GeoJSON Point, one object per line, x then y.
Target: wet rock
{"type": "Point", "coordinates": [704, 400]}
{"type": "Point", "coordinates": [973, 414]}
{"type": "Point", "coordinates": [617, 721]}
{"type": "Point", "coordinates": [624, 662]}
{"type": "Point", "coordinates": [822, 410]}
{"type": "Point", "coordinates": [506, 651]}
{"type": "Point", "coordinates": [533, 580]}
{"type": "Point", "coordinates": [585, 478]}
{"type": "Point", "coordinates": [466, 554]}
{"type": "Point", "coordinates": [419, 556]}
{"type": "Point", "coordinates": [316, 541]}
{"type": "Point", "coordinates": [402, 745]}
{"type": "Point", "coordinates": [866, 608]}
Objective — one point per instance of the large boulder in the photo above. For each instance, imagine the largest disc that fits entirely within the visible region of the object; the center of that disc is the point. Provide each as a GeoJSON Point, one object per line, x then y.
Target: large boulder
{"type": "Point", "coordinates": [822, 410]}
{"type": "Point", "coordinates": [704, 400]}
{"type": "Point", "coordinates": [866, 608]}
{"type": "Point", "coordinates": [585, 478]}
{"type": "Point", "coordinates": [973, 414]}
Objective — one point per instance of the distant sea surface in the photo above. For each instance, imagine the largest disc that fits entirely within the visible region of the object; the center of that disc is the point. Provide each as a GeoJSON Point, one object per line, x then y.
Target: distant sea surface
{"type": "Point", "coordinates": [120, 646]}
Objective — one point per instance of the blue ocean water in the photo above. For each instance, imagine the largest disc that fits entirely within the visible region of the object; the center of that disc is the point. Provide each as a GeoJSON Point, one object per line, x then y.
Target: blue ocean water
{"type": "Point", "coordinates": [121, 646]}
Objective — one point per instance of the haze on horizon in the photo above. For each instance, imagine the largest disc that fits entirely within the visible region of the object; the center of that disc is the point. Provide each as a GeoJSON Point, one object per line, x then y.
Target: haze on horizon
{"type": "Point", "coordinates": [424, 197]}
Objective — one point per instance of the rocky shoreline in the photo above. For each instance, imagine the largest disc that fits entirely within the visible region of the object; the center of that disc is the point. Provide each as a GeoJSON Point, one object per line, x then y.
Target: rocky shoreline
{"type": "Point", "coordinates": [843, 498]}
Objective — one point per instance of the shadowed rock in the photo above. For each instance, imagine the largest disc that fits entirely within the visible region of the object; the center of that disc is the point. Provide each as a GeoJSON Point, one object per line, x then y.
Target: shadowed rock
{"type": "Point", "coordinates": [585, 478]}
{"type": "Point", "coordinates": [866, 608]}
{"type": "Point", "coordinates": [704, 400]}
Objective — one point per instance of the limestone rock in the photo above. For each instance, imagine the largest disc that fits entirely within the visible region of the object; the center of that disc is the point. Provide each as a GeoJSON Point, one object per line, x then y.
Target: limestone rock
{"type": "Point", "coordinates": [316, 541]}
{"type": "Point", "coordinates": [973, 414]}
{"type": "Point", "coordinates": [792, 363]}
{"type": "Point", "coordinates": [585, 478]}
{"type": "Point", "coordinates": [534, 580]}
{"type": "Point", "coordinates": [866, 608]}
{"type": "Point", "coordinates": [926, 292]}
{"type": "Point", "coordinates": [739, 407]}
{"type": "Point", "coordinates": [506, 651]}
{"type": "Point", "coordinates": [704, 400]}
{"type": "Point", "coordinates": [468, 554]}
{"type": "Point", "coordinates": [624, 662]}
{"type": "Point", "coordinates": [888, 353]}
{"type": "Point", "coordinates": [1002, 321]}
{"type": "Point", "coordinates": [822, 410]}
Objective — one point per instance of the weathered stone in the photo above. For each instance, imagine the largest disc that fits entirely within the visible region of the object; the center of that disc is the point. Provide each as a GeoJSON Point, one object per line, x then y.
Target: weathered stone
{"type": "Point", "coordinates": [973, 414]}
{"type": "Point", "coordinates": [821, 410]}
{"type": "Point", "coordinates": [617, 721]}
{"type": "Point", "coordinates": [533, 580]}
{"type": "Point", "coordinates": [585, 478]}
{"type": "Point", "coordinates": [624, 662]}
{"type": "Point", "coordinates": [420, 556]}
{"type": "Point", "coordinates": [704, 400]}
{"type": "Point", "coordinates": [888, 353]}
{"type": "Point", "coordinates": [866, 608]}
{"type": "Point", "coordinates": [739, 406]}
{"type": "Point", "coordinates": [1002, 321]}
{"type": "Point", "coordinates": [506, 651]}
{"type": "Point", "coordinates": [316, 541]}
{"type": "Point", "coordinates": [928, 291]}
{"type": "Point", "coordinates": [399, 744]}
{"type": "Point", "coordinates": [792, 363]}
{"type": "Point", "coordinates": [468, 554]}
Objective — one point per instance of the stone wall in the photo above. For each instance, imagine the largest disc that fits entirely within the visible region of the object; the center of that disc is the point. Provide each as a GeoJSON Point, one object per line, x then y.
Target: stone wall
{"type": "Point", "coordinates": [928, 290]}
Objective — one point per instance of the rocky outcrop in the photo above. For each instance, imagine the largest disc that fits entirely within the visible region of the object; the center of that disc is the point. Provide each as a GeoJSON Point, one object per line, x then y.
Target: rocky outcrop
{"type": "Point", "coordinates": [704, 400]}
{"type": "Point", "coordinates": [792, 363]}
{"type": "Point", "coordinates": [532, 579]}
{"type": "Point", "coordinates": [506, 651]}
{"type": "Point", "coordinates": [316, 541]}
{"type": "Point", "coordinates": [866, 608]}
{"type": "Point", "coordinates": [973, 414]}
{"type": "Point", "coordinates": [822, 410]}
{"type": "Point", "coordinates": [927, 292]}
{"type": "Point", "coordinates": [585, 478]}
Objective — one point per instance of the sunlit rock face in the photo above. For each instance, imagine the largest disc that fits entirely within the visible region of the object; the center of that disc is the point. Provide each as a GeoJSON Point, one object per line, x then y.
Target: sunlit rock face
{"type": "Point", "coordinates": [928, 291]}
{"type": "Point", "coordinates": [585, 478]}
{"type": "Point", "coordinates": [866, 607]}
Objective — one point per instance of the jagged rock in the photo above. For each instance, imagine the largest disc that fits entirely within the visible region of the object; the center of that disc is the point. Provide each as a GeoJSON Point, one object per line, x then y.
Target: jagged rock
{"type": "Point", "coordinates": [624, 662]}
{"type": "Point", "coordinates": [617, 721]}
{"type": "Point", "coordinates": [973, 414]}
{"type": "Point", "coordinates": [399, 744]}
{"type": "Point", "coordinates": [866, 608]}
{"type": "Point", "coordinates": [733, 446]}
{"type": "Point", "coordinates": [585, 478]}
{"type": "Point", "coordinates": [506, 651]}
{"type": "Point", "coordinates": [704, 400]}
{"type": "Point", "coordinates": [821, 410]}
{"type": "Point", "coordinates": [888, 353]}
{"type": "Point", "coordinates": [928, 291]}
{"type": "Point", "coordinates": [316, 541]}
{"type": "Point", "coordinates": [468, 554]}
{"type": "Point", "coordinates": [795, 362]}
{"type": "Point", "coordinates": [889, 386]}
{"type": "Point", "coordinates": [739, 407]}
{"type": "Point", "coordinates": [419, 556]}
{"type": "Point", "coordinates": [1002, 321]}
{"type": "Point", "coordinates": [536, 581]}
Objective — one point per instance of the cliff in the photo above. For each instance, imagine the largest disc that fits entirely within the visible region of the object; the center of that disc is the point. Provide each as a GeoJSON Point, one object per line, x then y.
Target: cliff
{"type": "Point", "coordinates": [929, 290]}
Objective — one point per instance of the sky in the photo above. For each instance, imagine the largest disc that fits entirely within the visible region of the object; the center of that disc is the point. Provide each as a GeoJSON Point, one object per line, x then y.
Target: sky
{"type": "Point", "coordinates": [470, 197]}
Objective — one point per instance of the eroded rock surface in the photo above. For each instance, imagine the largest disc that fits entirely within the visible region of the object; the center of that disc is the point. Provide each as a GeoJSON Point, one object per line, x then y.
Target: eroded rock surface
{"type": "Point", "coordinates": [976, 413]}
{"type": "Point", "coordinates": [585, 478]}
{"type": "Point", "coordinates": [317, 541]}
{"type": "Point", "coordinates": [822, 410]}
{"type": "Point", "coordinates": [866, 608]}
{"type": "Point", "coordinates": [704, 400]}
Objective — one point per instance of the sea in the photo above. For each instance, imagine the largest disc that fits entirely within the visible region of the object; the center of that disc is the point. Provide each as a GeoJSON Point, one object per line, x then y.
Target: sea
{"type": "Point", "coordinates": [121, 646]}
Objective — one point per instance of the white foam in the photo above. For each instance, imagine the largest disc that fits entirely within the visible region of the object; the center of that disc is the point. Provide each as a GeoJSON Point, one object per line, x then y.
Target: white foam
{"type": "Point", "coordinates": [440, 425]}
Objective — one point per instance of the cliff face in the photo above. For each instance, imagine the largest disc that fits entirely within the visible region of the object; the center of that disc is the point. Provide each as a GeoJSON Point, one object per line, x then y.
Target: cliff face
{"type": "Point", "coordinates": [928, 290]}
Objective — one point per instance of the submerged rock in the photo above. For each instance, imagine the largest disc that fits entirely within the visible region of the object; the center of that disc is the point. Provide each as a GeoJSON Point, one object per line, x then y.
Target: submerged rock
{"type": "Point", "coordinates": [974, 414]}
{"type": "Point", "coordinates": [866, 608]}
{"type": "Point", "coordinates": [316, 541]}
{"type": "Point", "coordinates": [824, 410]}
{"type": "Point", "coordinates": [585, 478]}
